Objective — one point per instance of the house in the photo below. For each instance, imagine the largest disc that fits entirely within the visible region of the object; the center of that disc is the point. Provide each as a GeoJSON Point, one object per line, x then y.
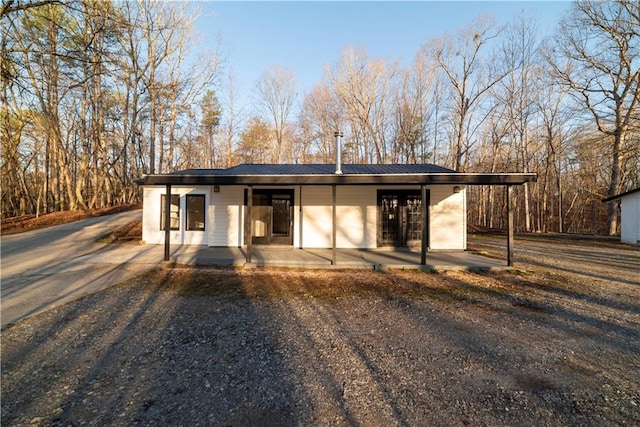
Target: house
{"type": "Point", "coordinates": [629, 215]}
{"type": "Point", "coordinates": [313, 206]}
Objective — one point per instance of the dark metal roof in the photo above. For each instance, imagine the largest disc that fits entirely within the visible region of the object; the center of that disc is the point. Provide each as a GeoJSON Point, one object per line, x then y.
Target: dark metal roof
{"type": "Point", "coordinates": [618, 196]}
{"type": "Point", "coordinates": [316, 169]}
{"type": "Point", "coordinates": [324, 174]}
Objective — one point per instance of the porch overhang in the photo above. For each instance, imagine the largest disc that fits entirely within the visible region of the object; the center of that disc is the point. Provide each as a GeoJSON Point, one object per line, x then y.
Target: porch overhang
{"type": "Point", "coordinates": [318, 175]}
{"type": "Point", "coordinates": [343, 179]}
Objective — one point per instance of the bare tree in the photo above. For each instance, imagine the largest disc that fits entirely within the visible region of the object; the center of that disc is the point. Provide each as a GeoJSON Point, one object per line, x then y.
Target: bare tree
{"type": "Point", "coordinates": [277, 93]}
{"type": "Point", "coordinates": [231, 120]}
{"type": "Point", "coordinates": [40, 36]}
{"type": "Point", "coordinates": [184, 89]}
{"type": "Point", "coordinates": [414, 110]}
{"type": "Point", "coordinates": [364, 85]}
{"type": "Point", "coordinates": [130, 92]}
{"type": "Point", "coordinates": [557, 134]}
{"type": "Point", "coordinates": [600, 42]}
{"type": "Point", "coordinates": [460, 59]}
{"type": "Point", "coordinates": [519, 90]}
{"type": "Point", "coordinates": [320, 116]}
{"type": "Point", "coordinates": [161, 24]}
{"type": "Point", "coordinates": [13, 6]}
{"type": "Point", "coordinates": [493, 155]}
{"type": "Point", "coordinates": [78, 82]}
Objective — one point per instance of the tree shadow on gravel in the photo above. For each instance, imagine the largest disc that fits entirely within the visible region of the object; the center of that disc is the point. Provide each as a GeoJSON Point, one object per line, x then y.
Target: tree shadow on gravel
{"type": "Point", "coordinates": [220, 347]}
{"type": "Point", "coordinates": [552, 305]}
{"type": "Point", "coordinates": [74, 365]}
{"type": "Point", "coordinates": [555, 354]}
{"type": "Point", "coordinates": [222, 363]}
{"type": "Point", "coordinates": [595, 261]}
{"type": "Point", "coordinates": [610, 276]}
{"type": "Point", "coordinates": [151, 351]}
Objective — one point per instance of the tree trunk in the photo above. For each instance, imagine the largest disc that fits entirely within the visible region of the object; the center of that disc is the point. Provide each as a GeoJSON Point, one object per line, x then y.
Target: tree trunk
{"type": "Point", "coordinates": [615, 183]}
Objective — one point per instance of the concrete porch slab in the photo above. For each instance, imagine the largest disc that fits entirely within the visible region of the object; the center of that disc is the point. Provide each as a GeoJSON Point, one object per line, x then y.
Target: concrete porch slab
{"type": "Point", "coordinates": [379, 259]}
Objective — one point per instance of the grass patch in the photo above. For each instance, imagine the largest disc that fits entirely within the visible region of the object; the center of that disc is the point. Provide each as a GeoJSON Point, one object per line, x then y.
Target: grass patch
{"type": "Point", "coordinates": [129, 232]}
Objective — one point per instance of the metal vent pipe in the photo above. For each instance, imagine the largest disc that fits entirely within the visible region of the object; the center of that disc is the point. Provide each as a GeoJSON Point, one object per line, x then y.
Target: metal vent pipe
{"type": "Point", "coordinates": [338, 136]}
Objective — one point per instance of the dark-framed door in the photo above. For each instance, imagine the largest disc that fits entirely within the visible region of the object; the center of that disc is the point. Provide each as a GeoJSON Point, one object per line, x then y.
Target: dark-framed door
{"type": "Point", "coordinates": [399, 218]}
{"type": "Point", "coordinates": [272, 217]}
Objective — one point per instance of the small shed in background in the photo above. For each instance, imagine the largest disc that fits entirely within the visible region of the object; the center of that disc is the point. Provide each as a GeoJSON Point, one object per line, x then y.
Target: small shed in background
{"type": "Point", "coordinates": [630, 215]}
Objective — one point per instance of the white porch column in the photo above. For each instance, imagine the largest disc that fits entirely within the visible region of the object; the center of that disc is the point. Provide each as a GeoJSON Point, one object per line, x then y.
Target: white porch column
{"type": "Point", "coordinates": [247, 223]}
{"type": "Point", "coordinates": [167, 223]}
{"type": "Point", "coordinates": [334, 226]}
{"type": "Point", "coordinates": [424, 202]}
{"type": "Point", "coordinates": [509, 225]}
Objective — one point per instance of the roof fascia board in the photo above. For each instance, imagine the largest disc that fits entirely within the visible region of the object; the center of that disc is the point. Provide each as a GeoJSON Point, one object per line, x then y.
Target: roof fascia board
{"type": "Point", "coordinates": [621, 195]}
{"type": "Point", "coordinates": [354, 179]}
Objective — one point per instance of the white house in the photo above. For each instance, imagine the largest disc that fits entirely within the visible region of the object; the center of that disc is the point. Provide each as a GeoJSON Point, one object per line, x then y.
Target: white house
{"type": "Point", "coordinates": [313, 206]}
{"type": "Point", "coordinates": [629, 216]}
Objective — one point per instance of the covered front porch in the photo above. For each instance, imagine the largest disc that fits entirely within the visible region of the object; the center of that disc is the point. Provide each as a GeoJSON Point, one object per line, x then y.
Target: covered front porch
{"type": "Point", "coordinates": [286, 256]}
{"type": "Point", "coordinates": [341, 209]}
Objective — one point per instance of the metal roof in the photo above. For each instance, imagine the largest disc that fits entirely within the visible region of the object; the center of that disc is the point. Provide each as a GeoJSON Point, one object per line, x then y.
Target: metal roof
{"type": "Point", "coordinates": [317, 169]}
{"type": "Point", "coordinates": [324, 174]}
{"type": "Point", "coordinates": [621, 195]}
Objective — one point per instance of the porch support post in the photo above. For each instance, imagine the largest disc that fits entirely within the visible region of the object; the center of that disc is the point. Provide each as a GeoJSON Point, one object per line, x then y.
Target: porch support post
{"type": "Point", "coordinates": [424, 202]}
{"type": "Point", "coordinates": [509, 225]}
{"type": "Point", "coordinates": [248, 233]}
{"type": "Point", "coordinates": [167, 223]}
{"type": "Point", "coordinates": [300, 219]}
{"type": "Point", "coordinates": [333, 231]}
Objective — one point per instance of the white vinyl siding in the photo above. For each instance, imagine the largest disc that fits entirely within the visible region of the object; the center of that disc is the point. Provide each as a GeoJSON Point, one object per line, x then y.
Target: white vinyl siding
{"type": "Point", "coordinates": [227, 217]}
{"type": "Point", "coordinates": [151, 214]}
{"type": "Point", "coordinates": [317, 215]}
{"type": "Point", "coordinates": [447, 218]}
{"type": "Point", "coordinates": [357, 216]}
{"type": "Point", "coordinates": [630, 218]}
{"type": "Point", "coordinates": [355, 213]}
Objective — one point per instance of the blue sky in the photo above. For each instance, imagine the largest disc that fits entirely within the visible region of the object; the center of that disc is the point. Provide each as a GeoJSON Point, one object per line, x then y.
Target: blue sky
{"type": "Point", "coordinates": [305, 36]}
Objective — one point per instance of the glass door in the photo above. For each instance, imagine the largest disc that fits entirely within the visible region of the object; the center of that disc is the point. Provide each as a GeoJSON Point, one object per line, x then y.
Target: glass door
{"type": "Point", "coordinates": [400, 218]}
{"type": "Point", "coordinates": [281, 215]}
{"type": "Point", "coordinates": [389, 220]}
{"type": "Point", "coordinates": [412, 220]}
{"type": "Point", "coordinates": [272, 217]}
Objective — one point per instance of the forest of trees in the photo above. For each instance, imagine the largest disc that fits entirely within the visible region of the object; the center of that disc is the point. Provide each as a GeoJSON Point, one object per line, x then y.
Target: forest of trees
{"type": "Point", "coordinates": [97, 93]}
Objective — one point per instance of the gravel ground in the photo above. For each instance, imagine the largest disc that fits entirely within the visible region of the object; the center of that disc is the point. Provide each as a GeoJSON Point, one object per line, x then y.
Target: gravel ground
{"type": "Point", "coordinates": [224, 347]}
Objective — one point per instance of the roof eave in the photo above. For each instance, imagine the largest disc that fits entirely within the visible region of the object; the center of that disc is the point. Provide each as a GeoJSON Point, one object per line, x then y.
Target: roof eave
{"type": "Point", "coordinates": [621, 195]}
{"type": "Point", "coordinates": [344, 179]}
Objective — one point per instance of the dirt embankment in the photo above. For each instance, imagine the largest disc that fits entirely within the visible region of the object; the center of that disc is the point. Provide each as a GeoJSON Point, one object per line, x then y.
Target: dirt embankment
{"type": "Point", "coordinates": [31, 222]}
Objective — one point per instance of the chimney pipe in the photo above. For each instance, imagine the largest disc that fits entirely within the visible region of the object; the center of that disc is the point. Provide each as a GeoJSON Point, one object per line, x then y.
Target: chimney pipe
{"type": "Point", "coordinates": [338, 136]}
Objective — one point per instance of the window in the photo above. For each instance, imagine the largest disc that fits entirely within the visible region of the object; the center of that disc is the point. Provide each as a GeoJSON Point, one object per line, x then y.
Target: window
{"type": "Point", "coordinates": [174, 214]}
{"type": "Point", "coordinates": [195, 212]}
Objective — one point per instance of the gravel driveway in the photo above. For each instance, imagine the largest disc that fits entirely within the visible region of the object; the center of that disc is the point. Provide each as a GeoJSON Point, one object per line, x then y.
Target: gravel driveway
{"type": "Point", "coordinates": [188, 346]}
{"type": "Point", "coordinates": [581, 258]}
{"type": "Point", "coordinates": [55, 265]}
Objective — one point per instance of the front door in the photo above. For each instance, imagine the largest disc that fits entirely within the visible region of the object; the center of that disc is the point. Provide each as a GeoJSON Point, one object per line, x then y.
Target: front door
{"type": "Point", "coordinates": [272, 217]}
{"type": "Point", "coordinates": [399, 218]}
